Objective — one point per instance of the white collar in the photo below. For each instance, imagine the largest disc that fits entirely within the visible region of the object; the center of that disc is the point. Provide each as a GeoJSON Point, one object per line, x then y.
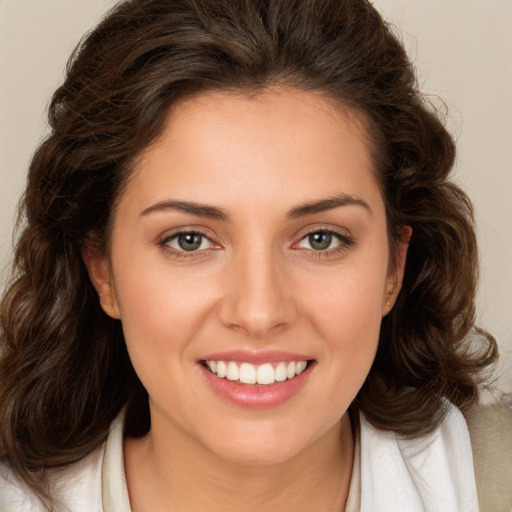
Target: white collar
{"type": "Point", "coordinates": [114, 488]}
{"type": "Point", "coordinates": [432, 473]}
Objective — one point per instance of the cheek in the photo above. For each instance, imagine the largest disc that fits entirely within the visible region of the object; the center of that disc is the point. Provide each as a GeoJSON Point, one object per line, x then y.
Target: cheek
{"type": "Point", "coordinates": [346, 317]}
{"type": "Point", "coordinates": [352, 328]}
{"type": "Point", "coordinates": [350, 300]}
{"type": "Point", "coordinates": [160, 312]}
{"type": "Point", "coordinates": [347, 313]}
{"type": "Point", "coordinates": [161, 317]}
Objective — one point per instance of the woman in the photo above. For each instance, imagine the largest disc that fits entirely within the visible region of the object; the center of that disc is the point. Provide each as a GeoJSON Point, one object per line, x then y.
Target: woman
{"type": "Point", "coordinates": [243, 280]}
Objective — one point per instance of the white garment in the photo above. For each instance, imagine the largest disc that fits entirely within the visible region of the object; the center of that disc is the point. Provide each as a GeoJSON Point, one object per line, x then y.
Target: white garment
{"type": "Point", "coordinates": [97, 483]}
{"type": "Point", "coordinates": [433, 473]}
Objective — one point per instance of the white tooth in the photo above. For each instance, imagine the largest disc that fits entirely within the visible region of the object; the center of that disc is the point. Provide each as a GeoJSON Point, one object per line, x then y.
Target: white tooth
{"type": "Point", "coordinates": [221, 369]}
{"type": "Point", "coordinates": [212, 365]}
{"type": "Point", "coordinates": [300, 367]}
{"type": "Point", "coordinates": [265, 374]}
{"type": "Point", "coordinates": [281, 372]}
{"type": "Point", "coordinates": [290, 371]}
{"type": "Point", "coordinates": [232, 372]}
{"type": "Point", "coordinates": [247, 373]}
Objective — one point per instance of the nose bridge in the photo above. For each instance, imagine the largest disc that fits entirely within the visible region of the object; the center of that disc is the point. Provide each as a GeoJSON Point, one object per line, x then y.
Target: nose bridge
{"type": "Point", "coordinates": [257, 299]}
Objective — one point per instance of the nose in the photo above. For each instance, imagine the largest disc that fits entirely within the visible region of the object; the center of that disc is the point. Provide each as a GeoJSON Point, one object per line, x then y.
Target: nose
{"type": "Point", "coordinates": [258, 297]}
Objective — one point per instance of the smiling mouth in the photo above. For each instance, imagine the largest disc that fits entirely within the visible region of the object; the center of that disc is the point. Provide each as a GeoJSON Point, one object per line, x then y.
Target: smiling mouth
{"type": "Point", "coordinates": [263, 374]}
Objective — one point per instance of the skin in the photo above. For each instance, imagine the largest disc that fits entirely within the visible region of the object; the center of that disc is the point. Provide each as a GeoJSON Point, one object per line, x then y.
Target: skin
{"type": "Point", "coordinates": [256, 283]}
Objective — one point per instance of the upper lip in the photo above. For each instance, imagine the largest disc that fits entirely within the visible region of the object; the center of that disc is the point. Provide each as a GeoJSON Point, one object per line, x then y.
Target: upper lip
{"type": "Point", "coordinates": [256, 357]}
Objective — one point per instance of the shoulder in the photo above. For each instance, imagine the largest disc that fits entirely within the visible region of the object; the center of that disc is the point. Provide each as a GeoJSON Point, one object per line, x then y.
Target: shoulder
{"type": "Point", "coordinates": [490, 429]}
{"type": "Point", "coordinates": [77, 487]}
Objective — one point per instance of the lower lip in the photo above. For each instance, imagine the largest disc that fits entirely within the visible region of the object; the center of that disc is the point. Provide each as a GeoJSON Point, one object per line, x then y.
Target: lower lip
{"type": "Point", "coordinates": [255, 396]}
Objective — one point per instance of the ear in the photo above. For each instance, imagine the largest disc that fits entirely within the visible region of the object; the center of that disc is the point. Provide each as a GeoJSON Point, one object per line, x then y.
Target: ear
{"type": "Point", "coordinates": [98, 267]}
{"type": "Point", "coordinates": [396, 272]}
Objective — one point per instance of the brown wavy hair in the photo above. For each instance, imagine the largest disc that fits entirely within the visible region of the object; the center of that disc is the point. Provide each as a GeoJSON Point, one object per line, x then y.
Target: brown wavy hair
{"type": "Point", "coordinates": [65, 372]}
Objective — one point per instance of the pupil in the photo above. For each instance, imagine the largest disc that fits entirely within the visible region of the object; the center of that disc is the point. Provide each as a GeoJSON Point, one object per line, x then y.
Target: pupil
{"type": "Point", "coordinates": [189, 241]}
{"type": "Point", "coordinates": [320, 240]}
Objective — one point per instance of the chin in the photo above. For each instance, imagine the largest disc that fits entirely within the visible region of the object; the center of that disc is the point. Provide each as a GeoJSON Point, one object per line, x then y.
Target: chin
{"type": "Point", "coordinates": [255, 445]}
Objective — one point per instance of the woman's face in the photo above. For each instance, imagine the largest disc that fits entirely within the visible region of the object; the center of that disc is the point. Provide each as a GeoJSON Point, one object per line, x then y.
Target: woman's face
{"type": "Point", "coordinates": [250, 242]}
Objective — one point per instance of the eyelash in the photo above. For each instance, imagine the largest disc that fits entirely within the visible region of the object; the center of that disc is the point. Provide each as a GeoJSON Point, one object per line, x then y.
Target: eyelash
{"type": "Point", "coordinates": [345, 243]}
{"type": "Point", "coordinates": [164, 244]}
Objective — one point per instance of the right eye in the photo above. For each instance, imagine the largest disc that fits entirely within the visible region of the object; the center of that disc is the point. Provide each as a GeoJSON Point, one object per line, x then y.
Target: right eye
{"type": "Point", "coordinates": [188, 242]}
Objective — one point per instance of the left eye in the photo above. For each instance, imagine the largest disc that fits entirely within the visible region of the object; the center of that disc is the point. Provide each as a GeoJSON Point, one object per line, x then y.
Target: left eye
{"type": "Point", "coordinates": [188, 242]}
{"type": "Point", "coordinates": [320, 241]}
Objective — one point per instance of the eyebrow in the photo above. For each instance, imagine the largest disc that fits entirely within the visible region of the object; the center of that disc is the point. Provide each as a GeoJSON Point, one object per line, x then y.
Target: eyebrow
{"type": "Point", "coordinates": [212, 212]}
{"type": "Point", "coordinates": [327, 204]}
{"type": "Point", "coordinates": [201, 210]}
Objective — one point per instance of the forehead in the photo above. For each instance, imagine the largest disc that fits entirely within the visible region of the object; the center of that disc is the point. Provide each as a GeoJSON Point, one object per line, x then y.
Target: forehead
{"type": "Point", "coordinates": [280, 143]}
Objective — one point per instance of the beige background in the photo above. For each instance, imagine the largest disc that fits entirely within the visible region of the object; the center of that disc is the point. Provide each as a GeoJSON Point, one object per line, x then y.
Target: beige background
{"type": "Point", "coordinates": [463, 50]}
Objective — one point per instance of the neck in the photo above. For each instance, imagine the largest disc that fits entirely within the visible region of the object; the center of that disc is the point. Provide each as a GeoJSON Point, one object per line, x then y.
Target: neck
{"type": "Point", "coordinates": [166, 473]}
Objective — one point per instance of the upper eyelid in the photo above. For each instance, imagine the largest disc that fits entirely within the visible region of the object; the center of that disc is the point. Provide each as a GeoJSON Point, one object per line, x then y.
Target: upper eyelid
{"type": "Point", "coordinates": [340, 232]}
{"type": "Point", "coordinates": [172, 233]}
{"type": "Point", "coordinates": [180, 233]}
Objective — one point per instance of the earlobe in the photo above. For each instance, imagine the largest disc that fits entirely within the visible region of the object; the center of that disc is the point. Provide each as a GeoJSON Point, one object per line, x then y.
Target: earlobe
{"type": "Point", "coordinates": [98, 267]}
{"type": "Point", "coordinates": [396, 274]}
